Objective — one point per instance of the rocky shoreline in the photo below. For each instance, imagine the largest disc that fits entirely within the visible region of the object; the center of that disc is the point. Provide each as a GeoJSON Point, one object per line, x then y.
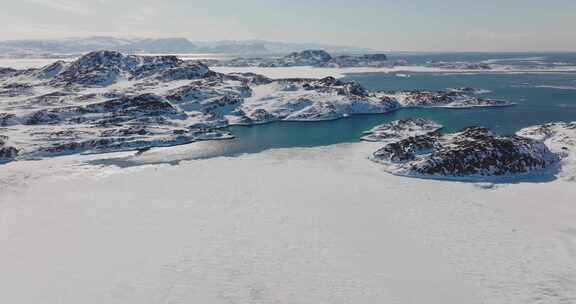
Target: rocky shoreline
{"type": "Point", "coordinates": [107, 101]}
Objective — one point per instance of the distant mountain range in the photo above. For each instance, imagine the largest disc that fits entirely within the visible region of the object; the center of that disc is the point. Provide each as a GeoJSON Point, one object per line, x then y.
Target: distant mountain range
{"type": "Point", "coordinates": [314, 58]}
{"type": "Point", "coordinates": [160, 45]}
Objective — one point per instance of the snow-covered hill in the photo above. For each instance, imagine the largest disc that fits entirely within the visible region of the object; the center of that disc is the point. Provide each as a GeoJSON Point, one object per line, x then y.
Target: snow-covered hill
{"type": "Point", "coordinates": [561, 139]}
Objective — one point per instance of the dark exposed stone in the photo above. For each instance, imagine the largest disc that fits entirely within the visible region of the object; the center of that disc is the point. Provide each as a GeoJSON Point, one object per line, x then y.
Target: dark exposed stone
{"type": "Point", "coordinates": [7, 152]}
{"type": "Point", "coordinates": [475, 151]}
{"type": "Point", "coordinates": [407, 149]}
{"type": "Point", "coordinates": [7, 119]}
{"type": "Point", "coordinates": [16, 89]}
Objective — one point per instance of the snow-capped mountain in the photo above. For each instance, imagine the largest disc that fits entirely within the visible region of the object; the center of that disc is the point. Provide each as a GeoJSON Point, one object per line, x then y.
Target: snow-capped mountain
{"type": "Point", "coordinates": [107, 67]}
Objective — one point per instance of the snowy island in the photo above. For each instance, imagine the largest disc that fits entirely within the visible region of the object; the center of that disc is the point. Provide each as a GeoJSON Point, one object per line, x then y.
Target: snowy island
{"type": "Point", "coordinates": [107, 101]}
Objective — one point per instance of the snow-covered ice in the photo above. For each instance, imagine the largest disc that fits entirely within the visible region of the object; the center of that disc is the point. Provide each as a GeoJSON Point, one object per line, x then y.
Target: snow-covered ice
{"type": "Point", "coordinates": [314, 225]}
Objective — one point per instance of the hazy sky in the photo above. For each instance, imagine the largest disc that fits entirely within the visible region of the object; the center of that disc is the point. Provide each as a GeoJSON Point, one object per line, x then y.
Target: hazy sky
{"type": "Point", "coordinates": [411, 25]}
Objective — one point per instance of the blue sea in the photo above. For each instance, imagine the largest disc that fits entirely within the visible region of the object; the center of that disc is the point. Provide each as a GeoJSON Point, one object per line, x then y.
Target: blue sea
{"type": "Point", "coordinates": [540, 97]}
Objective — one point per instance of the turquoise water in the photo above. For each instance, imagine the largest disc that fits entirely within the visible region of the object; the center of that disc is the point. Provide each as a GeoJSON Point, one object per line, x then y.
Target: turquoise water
{"type": "Point", "coordinates": [536, 105]}
{"type": "Point", "coordinates": [540, 98]}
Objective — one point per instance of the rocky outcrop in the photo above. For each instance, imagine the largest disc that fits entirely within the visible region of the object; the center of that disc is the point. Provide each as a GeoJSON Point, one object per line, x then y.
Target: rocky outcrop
{"type": "Point", "coordinates": [350, 61]}
{"type": "Point", "coordinates": [16, 89]}
{"type": "Point", "coordinates": [406, 149]}
{"type": "Point", "coordinates": [8, 119]}
{"type": "Point", "coordinates": [50, 71]}
{"type": "Point", "coordinates": [459, 65]}
{"type": "Point", "coordinates": [112, 111]}
{"type": "Point", "coordinates": [473, 152]}
{"type": "Point", "coordinates": [187, 71]}
{"type": "Point", "coordinates": [304, 58]}
{"type": "Point", "coordinates": [7, 72]}
{"type": "Point", "coordinates": [7, 151]}
{"type": "Point", "coordinates": [469, 90]}
{"type": "Point", "coordinates": [96, 69]}
{"type": "Point", "coordinates": [401, 129]}
{"type": "Point", "coordinates": [444, 99]}
{"type": "Point", "coordinates": [104, 68]}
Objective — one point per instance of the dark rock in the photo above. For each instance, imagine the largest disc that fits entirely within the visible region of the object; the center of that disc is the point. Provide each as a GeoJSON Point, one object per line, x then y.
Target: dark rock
{"type": "Point", "coordinates": [472, 152]}
{"type": "Point", "coordinates": [401, 129]}
{"type": "Point", "coordinates": [407, 149]}
{"type": "Point", "coordinates": [7, 152]}
{"type": "Point", "coordinates": [8, 119]}
{"type": "Point", "coordinates": [16, 89]}
{"type": "Point", "coordinates": [50, 71]}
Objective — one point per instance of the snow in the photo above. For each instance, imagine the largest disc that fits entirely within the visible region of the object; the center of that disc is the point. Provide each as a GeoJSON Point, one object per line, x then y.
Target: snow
{"type": "Point", "coordinates": [291, 101]}
{"type": "Point", "coordinates": [561, 139]}
{"type": "Point", "coordinates": [314, 225]}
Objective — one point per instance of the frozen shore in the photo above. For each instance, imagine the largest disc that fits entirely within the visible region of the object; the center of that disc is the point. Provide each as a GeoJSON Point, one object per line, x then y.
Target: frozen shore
{"type": "Point", "coordinates": [316, 225]}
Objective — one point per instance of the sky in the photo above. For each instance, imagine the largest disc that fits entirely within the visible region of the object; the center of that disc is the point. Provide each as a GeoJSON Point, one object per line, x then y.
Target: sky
{"type": "Point", "coordinates": [406, 25]}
